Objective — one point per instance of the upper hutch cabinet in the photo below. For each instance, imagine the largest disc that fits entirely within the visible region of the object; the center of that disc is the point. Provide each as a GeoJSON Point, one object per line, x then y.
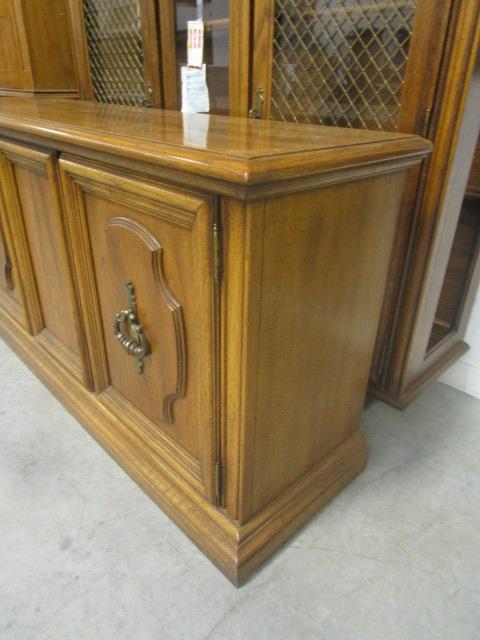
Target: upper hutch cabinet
{"type": "Point", "coordinates": [35, 50]}
{"type": "Point", "coordinates": [131, 51]}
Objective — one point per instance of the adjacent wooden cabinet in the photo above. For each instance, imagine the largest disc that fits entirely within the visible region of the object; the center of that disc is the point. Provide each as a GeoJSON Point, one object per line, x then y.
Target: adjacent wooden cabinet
{"type": "Point", "coordinates": [203, 293]}
{"type": "Point", "coordinates": [400, 66]}
{"type": "Point", "coordinates": [36, 55]}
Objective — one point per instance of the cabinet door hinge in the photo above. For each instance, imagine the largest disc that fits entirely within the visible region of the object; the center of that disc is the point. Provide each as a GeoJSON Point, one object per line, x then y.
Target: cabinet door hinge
{"type": "Point", "coordinates": [256, 111]}
{"type": "Point", "coordinates": [148, 93]}
{"type": "Point", "coordinates": [8, 275]}
{"type": "Point", "coordinates": [217, 250]}
{"type": "Point", "coordinates": [427, 120]}
{"type": "Point", "coordinates": [218, 482]}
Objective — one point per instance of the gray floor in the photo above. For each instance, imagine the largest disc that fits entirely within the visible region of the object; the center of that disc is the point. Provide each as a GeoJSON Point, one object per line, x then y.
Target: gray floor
{"type": "Point", "coordinates": [84, 555]}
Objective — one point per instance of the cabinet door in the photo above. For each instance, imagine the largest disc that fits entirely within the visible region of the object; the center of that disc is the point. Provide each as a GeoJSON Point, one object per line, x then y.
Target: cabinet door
{"type": "Point", "coordinates": [117, 52]}
{"type": "Point", "coordinates": [226, 51]}
{"type": "Point", "coordinates": [32, 214]}
{"type": "Point", "coordinates": [145, 252]}
{"type": "Point", "coordinates": [357, 63]}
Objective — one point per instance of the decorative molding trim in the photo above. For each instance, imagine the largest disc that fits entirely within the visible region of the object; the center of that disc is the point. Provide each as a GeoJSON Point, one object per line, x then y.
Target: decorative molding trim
{"type": "Point", "coordinates": [401, 400]}
{"type": "Point", "coordinates": [97, 376]}
{"type": "Point", "coordinates": [24, 156]}
{"type": "Point", "coordinates": [185, 180]}
{"type": "Point", "coordinates": [173, 206]}
{"type": "Point", "coordinates": [171, 303]}
{"type": "Point", "coordinates": [173, 454]}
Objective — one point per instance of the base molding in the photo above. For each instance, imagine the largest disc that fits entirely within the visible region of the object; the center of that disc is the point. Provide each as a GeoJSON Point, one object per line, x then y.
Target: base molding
{"type": "Point", "coordinates": [404, 398]}
{"type": "Point", "coordinates": [237, 550]}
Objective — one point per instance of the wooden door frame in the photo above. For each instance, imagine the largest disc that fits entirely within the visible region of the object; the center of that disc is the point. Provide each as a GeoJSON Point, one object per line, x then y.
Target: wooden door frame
{"type": "Point", "coordinates": [418, 308]}
{"type": "Point", "coordinates": [239, 56]}
{"type": "Point", "coordinates": [262, 58]}
{"type": "Point", "coordinates": [151, 47]}
{"type": "Point", "coordinates": [152, 66]}
{"type": "Point", "coordinates": [80, 49]}
{"type": "Point", "coordinates": [415, 117]}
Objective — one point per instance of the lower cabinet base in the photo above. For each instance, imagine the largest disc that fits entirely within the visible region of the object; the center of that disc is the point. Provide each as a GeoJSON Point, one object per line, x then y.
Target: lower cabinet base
{"type": "Point", "coordinates": [236, 550]}
{"type": "Point", "coordinates": [402, 399]}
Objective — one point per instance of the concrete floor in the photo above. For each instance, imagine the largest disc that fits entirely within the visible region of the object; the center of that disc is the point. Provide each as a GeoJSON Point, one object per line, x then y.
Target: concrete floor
{"type": "Point", "coordinates": [85, 555]}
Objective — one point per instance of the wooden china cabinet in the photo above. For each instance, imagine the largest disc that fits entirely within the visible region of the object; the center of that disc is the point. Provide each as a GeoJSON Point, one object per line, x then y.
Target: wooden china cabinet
{"type": "Point", "coordinates": [393, 65]}
{"type": "Point", "coordinates": [183, 300]}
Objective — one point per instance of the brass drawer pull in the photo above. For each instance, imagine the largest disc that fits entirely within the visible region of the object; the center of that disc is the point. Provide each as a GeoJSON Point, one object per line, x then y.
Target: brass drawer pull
{"type": "Point", "coordinates": [8, 276]}
{"type": "Point", "coordinates": [129, 332]}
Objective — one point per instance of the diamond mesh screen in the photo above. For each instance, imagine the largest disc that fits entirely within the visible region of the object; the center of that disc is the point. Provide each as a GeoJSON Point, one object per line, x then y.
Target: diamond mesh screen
{"type": "Point", "coordinates": [340, 62]}
{"type": "Point", "coordinates": [115, 49]}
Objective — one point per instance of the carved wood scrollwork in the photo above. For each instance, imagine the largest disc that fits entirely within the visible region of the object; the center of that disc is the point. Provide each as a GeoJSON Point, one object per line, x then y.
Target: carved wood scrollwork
{"type": "Point", "coordinates": [172, 304]}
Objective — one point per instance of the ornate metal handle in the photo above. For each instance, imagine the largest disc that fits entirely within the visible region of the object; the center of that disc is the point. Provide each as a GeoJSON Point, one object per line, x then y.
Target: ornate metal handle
{"type": "Point", "coordinates": [129, 332]}
{"type": "Point", "coordinates": [7, 269]}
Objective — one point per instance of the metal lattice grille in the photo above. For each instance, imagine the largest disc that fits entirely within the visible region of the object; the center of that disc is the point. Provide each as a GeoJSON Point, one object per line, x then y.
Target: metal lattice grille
{"type": "Point", "coordinates": [340, 62]}
{"type": "Point", "coordinates": [115, 49]}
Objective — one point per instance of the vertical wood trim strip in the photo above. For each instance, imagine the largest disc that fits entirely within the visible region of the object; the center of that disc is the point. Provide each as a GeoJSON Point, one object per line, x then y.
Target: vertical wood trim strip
{"type": "Point", "coordinates": [80, 49]}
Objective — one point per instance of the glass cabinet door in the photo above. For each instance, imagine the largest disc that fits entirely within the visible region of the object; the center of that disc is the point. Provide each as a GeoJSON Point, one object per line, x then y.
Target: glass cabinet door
{"type": "Point", "coordinates": [345, 62]}
{"type": "Point", "coordinates": [121, 42]}
{"type": "Point", "coordinates": [215, 15]}
{"type": "Point", "coordinates": [226, 51]}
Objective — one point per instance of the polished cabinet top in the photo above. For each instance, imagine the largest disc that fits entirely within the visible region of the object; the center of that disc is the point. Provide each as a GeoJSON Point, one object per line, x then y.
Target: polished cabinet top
{"type": "Point", "coordinates": [233, 149]}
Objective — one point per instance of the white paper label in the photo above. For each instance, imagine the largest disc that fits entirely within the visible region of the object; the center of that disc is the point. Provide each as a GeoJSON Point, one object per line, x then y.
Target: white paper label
{"type": "Point", "coordinates": [195, 43]}
{"type": "Point", "coordinates": [195, 130]}
{"type": "Point", "coordinates": [194, 90]}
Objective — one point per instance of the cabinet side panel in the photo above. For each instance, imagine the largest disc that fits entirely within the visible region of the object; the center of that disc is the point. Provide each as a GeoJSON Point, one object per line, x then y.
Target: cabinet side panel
{"type": "Point", "coordinates": [324, 267]}
{"type": "Point", "coordinates": [14, 71]}
{"type": "Point", "coordinates": [46, 23]}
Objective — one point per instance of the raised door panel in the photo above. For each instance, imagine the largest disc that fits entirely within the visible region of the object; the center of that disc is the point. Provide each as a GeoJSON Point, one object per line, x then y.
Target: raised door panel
{"type": "Point", "coordinates": [34, 214]}
{"type": "Point", "coordinates": [148, 250]}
